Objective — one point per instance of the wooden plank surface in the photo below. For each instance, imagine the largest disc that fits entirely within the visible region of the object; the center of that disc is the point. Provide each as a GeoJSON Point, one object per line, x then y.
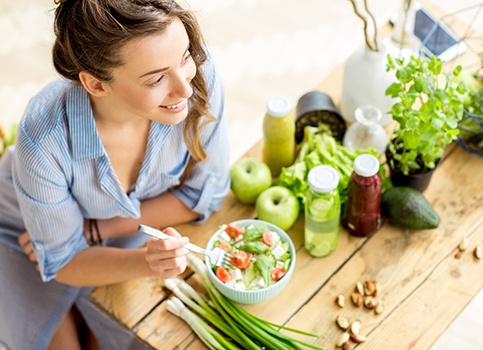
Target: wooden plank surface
{"type": "Point", "coordinates": [123, 302]}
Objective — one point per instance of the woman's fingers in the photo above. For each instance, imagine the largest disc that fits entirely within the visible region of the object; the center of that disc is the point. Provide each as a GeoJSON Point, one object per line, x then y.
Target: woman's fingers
{"type": "Point", "coordinates": [170, 273]}
{"type": "Point", "coordinates": [167, 244]}
{"type": "Point", "coordinates": [169, 264]}
{"type": "Point", "coordinates": [24, 239]}
{"type": "Point", "coordinates": [33, 257]}
{"type": "Point", "coordinates": [167, 258]}
{"type": "Point", "coordinates": [26, 244]}
{"type": "Point", "coordinates": [172, 232]}
{"type": "Point", "coordinates": [163, 250]}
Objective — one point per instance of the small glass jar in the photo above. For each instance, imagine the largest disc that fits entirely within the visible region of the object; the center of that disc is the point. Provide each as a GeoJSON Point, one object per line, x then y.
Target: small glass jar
{"type": "Point", "coordinates": [366, 132]}
{"type": "Point", "coordinates": [278, 135]}
{"type": "Point", "coordinates": [322, 211]}
{"type": "Point", "coordinates": [364, 197]}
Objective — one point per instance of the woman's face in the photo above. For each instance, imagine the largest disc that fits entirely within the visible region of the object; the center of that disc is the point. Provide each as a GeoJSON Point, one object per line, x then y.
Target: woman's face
{"type": "Point", "coordinates": [154, 82]}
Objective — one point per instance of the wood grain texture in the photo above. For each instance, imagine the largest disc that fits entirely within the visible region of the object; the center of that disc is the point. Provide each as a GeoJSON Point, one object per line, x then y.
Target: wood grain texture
{"type": "Point", "coordinates": [129, 302]}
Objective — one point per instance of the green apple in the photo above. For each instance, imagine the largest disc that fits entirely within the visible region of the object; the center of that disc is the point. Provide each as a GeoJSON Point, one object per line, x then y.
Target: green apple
{"type": "Point", "coordinates": [279, 206]}
{"type": "Point", "coordinates": [249, 178]}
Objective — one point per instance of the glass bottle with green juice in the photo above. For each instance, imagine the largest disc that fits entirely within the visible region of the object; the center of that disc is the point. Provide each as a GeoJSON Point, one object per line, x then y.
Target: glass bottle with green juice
{"type": "Point", "coordinates": [322, 211]}
{"type": "Point", "coordinates": [278, 135]}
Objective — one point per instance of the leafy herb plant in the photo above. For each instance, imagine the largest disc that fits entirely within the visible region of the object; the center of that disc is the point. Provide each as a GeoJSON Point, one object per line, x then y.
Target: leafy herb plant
{"type": "Point", "coordinates": [429, 107]}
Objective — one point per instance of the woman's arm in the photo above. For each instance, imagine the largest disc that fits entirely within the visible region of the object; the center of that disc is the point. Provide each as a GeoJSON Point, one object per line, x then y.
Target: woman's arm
{"type": "Point", "coordinates": [174, 212]}
{"type": "Point", "coordinates": [98, 266]}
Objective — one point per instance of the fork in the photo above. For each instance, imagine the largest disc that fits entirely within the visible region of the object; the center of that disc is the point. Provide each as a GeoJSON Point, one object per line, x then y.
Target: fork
{"type": "Point", "coordinates": [217, 256]}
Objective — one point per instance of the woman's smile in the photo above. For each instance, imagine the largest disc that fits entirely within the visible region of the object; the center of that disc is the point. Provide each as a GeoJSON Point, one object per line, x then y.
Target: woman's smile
{"type": "Point", "coordinates": [175, 108]}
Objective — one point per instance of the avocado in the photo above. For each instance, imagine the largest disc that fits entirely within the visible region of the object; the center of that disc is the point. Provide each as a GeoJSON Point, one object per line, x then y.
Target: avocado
{"type": "Point", "coordinates": [408, 208]}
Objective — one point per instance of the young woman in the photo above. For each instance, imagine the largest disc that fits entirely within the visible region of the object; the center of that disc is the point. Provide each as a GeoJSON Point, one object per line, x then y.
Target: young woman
{"type": "Point", "coordinates": [134, 132]}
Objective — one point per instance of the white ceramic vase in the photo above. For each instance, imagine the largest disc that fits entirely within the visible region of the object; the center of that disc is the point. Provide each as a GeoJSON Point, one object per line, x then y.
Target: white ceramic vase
{"type": "Point", "coordinates": [365, 82]}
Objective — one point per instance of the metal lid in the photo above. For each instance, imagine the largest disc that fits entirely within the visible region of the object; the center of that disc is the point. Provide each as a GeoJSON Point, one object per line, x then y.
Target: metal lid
{"type": "Point", "coordinates": [278, 106]}
{"type": "Point", "coordinates": [366, 165]}
{"type": "Point", "coordinates": [323, 178]}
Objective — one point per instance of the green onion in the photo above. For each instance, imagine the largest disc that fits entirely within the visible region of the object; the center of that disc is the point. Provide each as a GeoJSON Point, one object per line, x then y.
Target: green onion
{"type": "Point", "coordinates": [231, 320]}
{"type": "Point", "coordinates": [203, 309]}
{"type": "Point", "coordinates": [202, 330]}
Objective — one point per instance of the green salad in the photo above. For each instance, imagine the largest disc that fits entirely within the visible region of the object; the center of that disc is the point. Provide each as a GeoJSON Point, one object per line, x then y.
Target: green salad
{"type": "Point", "coordinates": [258, 255]}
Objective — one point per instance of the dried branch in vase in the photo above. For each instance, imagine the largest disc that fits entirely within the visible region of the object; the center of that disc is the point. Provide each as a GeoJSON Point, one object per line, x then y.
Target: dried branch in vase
{"type": "Point", "coordinates": [371, 41]}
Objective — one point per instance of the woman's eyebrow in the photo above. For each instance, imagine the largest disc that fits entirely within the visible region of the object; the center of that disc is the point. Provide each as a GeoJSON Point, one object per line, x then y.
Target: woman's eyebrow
{"type": "Point", "coordinates": [159, 70]}
{"type": "Point", "coordinates": [154, 72]}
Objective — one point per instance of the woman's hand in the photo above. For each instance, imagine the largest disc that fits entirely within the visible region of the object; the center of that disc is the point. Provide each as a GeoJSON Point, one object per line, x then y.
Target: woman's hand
{"type": "Point", "coordinates": [26, 244]}
{"type": "Point", "coordinates": [167, 258]}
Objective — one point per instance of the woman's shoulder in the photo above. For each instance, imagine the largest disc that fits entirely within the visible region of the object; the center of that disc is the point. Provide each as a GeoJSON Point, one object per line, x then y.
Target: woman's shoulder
{"type": "Point", "coordinates": [210, 69]}
{"type": "Point", "coordinates": [46, 110]}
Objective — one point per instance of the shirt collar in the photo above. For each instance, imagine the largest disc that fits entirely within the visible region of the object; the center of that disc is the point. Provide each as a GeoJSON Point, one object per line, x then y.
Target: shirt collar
{"type": "Point", "coordinates": [86, 143]}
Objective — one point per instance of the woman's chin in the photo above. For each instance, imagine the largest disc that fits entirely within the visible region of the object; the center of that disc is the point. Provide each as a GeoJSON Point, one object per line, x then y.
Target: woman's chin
{"type": "Point", "coordinates": [170, 117]}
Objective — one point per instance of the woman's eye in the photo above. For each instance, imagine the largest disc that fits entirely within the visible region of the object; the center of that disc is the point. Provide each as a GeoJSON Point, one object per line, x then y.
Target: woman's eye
{"type": "Point", "coordinates": [186, 58]}
{"type": "Point", "coordinates": [157, 81]}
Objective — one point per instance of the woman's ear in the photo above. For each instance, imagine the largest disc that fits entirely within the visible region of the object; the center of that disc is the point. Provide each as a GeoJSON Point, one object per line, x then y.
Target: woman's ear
{"type": "Point", "coordinates": [94, 86]}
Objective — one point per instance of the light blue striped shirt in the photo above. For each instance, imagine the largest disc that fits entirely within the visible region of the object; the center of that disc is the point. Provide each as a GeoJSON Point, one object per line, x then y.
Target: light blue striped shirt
{"type": "Point", "coordinates": [59, 172]}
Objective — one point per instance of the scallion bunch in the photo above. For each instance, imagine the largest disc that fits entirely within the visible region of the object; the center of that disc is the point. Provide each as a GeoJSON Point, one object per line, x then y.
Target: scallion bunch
{"type": "Point", "coordinates": [221, 323]}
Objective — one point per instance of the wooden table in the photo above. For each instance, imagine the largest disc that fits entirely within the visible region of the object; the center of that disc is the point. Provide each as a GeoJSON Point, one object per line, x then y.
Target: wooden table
{"type": "Point", "coordinates": [424, 287]}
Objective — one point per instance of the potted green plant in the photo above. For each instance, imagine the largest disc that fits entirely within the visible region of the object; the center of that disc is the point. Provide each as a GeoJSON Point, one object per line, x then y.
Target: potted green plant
{"type": "Point", "coordinates": [428, 108]}
{"type": "Point", "coordinates": [471, 126]}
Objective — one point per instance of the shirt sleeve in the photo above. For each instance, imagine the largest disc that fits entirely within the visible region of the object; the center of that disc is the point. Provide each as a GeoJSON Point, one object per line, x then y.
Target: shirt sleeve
{"type": "Point", "coordinates": [50, 213]}
{"type": "Point", "coordinates": [208, 183]}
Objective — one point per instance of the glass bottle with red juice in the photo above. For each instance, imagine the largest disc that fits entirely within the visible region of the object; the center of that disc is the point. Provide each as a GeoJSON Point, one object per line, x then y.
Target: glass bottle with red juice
{"type": "Point", "coordinates": [364, 202]}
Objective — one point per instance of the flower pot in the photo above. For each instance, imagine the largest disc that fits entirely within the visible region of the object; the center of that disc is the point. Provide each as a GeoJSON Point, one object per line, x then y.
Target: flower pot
{"type": "Point", "coordinates": [316, 107]}
{"type": "Point", "coordinates": [365, 82]}
{"type": "Point", "coordinates": [418, 181]}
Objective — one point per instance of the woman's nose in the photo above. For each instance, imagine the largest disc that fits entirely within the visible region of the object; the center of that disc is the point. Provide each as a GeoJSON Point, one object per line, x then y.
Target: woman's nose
{"type": "Point", "coordinates": [181, 86]}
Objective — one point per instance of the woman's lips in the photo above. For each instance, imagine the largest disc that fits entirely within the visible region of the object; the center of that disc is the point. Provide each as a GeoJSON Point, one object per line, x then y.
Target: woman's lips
{"type": "Point", "coordinates": [175, 107]}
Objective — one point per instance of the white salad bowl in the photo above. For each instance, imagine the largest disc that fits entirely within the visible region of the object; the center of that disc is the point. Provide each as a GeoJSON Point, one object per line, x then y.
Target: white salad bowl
{"type": "Point", "coordinates": [256, 295]}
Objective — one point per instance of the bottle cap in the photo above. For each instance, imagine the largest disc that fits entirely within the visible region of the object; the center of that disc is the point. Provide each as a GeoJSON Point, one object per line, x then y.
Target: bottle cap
{"type": "Point", "coordinates": [323, 178]}
{"type": "Point", "coordinates": [366, 165]}
{"type": "Point", "coordinates": [278, 106]}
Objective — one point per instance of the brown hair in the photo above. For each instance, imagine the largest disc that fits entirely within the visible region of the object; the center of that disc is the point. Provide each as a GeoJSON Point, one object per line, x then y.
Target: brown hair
{"type": "Point", "coordinates": [90, 33]}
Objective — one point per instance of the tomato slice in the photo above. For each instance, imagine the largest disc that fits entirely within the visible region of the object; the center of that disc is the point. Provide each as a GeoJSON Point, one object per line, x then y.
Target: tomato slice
{"type": "Point", "coordinates": [223, 274]}
{"type": "Point", "coordinates": [241, 259]}
{"type": "Point", "coordinates": [233, 230]}
{"type": "Point", "coordinates": [268, 237]}
{"type": "Point", "coordinates": [278, 273]}
{"type": "Point", "coordinates": [223, 246]}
